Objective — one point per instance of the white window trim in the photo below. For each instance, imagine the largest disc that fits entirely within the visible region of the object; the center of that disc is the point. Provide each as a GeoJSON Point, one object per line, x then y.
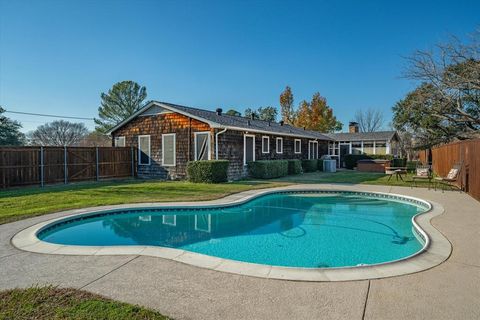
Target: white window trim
{"type": "Point", "coordinates": [295, 146]}
{"type": "Point", "coordinates": [209, 224]}
{"type": "Point", "coordinates": [310, 142]}
{"type": "Point", "coordinates": [281, 145]}
{"type": "Point", "coordinates": [245, 147]}
{"type": "Point", "coordinates": [174, 149]}
{"type": "Point", "coordinates": [140, 151]}
{"type": "Point", "coordinates": [118, 139]}
{"type": "Point", "coordinates": [268, 144]}
{"type": "Point", "coordinates": [174, 223]}
{"type": "Point", "coordinates": [195, 134]}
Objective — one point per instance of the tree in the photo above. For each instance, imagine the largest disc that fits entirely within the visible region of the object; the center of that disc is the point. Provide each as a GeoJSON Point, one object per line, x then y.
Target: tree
{"type": "Point", "coordinates": [369, 120]}
{"type": "Point", "coordinates": [233, 112]}
{"type": "Point", "coordinates": [58, 133]}
{"type": "Point", "coordinates": [286, 106]}
{"type": "Point", "coordinates": [249, 113]}
{"type": "Point", "coordinates": [95, 139]}
{"type": "Point", "coordinates": [317, 115]}
{"type": "Point", "coordinates": [121, 101]}
{"type": "Point", "coordinates": [446, 105]}
{"type": "Point", "coordinates": [267, 113]}
{"type": "Point", "coordinates": [10, 134]}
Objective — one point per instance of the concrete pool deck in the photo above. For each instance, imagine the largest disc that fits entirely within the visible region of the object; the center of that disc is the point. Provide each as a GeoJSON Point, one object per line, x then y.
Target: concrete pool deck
{"type": "Point", "coordinates": [448, 291]}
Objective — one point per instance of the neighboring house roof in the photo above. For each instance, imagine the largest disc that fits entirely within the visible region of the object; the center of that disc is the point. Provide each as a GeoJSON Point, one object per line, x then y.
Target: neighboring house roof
{"type": "Point", "coordinates": [223, 121]}
{"type": "Point", "coordinates": [359, 136]}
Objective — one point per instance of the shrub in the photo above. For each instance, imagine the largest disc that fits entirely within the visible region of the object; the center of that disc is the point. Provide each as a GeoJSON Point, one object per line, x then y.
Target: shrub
{"type": "Point", "coordinates": [412, 165]}
{"type": "Point", "coordinates": [294, 166]}
{"type": "Point", "coordinates": [351, 159]}
{"type": "Point", "coordinates": [208, 171]}
{"type": "Point", "coordinates": [320, 165]}
{"type": "Point", "coordinates": [266, 169]}
{"type": "Point", "coordinates": [399, 162]}
{"type": "Point", "coordinates": [310, 165]}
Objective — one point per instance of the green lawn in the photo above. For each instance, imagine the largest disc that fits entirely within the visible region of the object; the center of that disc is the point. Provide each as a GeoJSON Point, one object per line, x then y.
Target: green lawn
{"type": "Point", "coordinates": [44, 303]}
{"type": "Point", "coordinates": [348, 176]}
{"type": "Point", "coordinates": [21, 203]}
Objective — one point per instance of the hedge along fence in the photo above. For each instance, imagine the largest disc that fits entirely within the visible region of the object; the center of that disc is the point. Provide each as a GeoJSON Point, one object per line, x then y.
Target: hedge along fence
{"type": "Point", "coordinates": [320, 165]}
{"type": "Point", "coordinates": [310, 165]}
{"type": "Point", "coordinates": [294, 166]}
{"type": "Point", "coordinates": [267, 169]}
{"type": "Point", "coordinates": [207, 171]}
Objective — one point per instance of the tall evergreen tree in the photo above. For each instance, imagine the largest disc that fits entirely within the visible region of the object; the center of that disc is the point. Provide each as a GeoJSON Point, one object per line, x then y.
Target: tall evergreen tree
{"type": "Point", "coordinates": [10, 134]}
{"type": "Point", "coordinates": [121, 101]}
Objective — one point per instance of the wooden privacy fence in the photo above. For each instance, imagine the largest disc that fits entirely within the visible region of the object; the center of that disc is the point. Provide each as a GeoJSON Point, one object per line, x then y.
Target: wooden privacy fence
{"type": "Point", "coordinates": [468, 153]}
{"type": "Point", "coordinates": [20, 166]}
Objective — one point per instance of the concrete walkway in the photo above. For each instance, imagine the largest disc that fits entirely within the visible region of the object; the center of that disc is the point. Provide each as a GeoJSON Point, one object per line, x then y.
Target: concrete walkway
{"type": "Point", "coordinates": [448, 291]}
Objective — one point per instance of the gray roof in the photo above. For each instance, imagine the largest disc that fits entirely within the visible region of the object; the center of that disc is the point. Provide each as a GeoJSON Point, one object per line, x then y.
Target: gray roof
{"type": "Point", "coordinates": [358, 136]}
{"type": "Point", "coordinates": [231, 122]}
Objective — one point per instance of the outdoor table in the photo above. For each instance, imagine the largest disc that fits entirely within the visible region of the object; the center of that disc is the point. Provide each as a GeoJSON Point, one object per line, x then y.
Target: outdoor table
{"type": "Point", "coordinates": [396, 171]}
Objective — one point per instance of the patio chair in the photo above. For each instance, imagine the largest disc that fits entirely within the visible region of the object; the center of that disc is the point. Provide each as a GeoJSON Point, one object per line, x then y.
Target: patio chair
{"type": "Point", "coordinates": [452, 177]}
{"type": "Point", "coordinates": [422, 172]}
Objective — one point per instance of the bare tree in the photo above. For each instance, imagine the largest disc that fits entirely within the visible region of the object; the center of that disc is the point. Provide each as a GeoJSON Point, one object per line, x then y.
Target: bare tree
{"type": "Point", "coordinates": [452, 69]}
{"type": "Point", "coordinates": [58, 133]}
{"type": "Point", "coordinates": [369, 120]}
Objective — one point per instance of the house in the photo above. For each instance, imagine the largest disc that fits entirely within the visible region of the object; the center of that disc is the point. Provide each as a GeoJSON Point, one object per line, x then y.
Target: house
{"type": "Point", "coordinates": [355, 142]}
{"type": "Point", "coordinates": [167, 136]}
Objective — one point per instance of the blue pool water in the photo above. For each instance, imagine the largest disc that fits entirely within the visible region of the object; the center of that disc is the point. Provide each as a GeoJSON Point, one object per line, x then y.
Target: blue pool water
{"type": "Point", "coordinates": [301, 229]}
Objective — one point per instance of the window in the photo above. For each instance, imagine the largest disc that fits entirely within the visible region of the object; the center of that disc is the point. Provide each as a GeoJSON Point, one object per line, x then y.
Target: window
{"type": "Point", "coordinates": [356, 147]}
{"type": "Point", "coordinates": [380, 147]}
{"type": "Point", "coordinates": [368, 147]}
{"type": "Point", "coordinates": [279, 145]}
{"type": "Point", "coordinates": [144, 150]}
{"type": "Point", "coordinates": [298, 146]}
{"type": "Point", "coordinates": [265, 144]}
{"type": "Point", "coordinates": [120, 142]}
{"type": "Point", "coordinates": [168, 150]}
{"type": "Point", "coordinates": [202, 146]}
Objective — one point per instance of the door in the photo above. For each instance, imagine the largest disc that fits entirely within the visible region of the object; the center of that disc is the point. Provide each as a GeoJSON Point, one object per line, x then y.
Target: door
{"type": "Point", "coordinates": [312, 150]}
{"type": "Point", "coordinates": [344, 150]}
{"type": "Point", "coordinates": [248, 148]}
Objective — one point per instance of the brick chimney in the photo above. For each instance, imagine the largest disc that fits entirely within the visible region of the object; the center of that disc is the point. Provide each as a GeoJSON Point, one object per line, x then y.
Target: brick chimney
{"type": "Point", "coordinates": [353, 127]}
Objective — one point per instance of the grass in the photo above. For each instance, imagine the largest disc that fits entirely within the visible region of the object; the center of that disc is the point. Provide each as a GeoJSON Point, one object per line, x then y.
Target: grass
{"type": "Point", "coordinates": [349, 177]}
{"type": "Point", "coordinates": [22, 203]}
{"type": "Point", "coordinates": [54, 303]}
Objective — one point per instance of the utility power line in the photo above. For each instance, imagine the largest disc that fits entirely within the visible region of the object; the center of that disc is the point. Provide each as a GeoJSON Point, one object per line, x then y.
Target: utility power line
{"type": "Point", "coordinates": [48, 115]}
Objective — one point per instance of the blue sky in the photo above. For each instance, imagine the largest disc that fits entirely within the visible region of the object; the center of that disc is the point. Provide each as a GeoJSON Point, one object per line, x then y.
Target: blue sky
{"type": "Point", "coordinates": [57, 57]}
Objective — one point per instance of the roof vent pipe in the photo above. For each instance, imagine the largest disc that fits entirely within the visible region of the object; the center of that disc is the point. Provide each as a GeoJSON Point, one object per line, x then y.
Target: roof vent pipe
{"type": "Point", "coordinates": [252, 116]}
{"type": "Point", "coordinates": [248, 122]}
{"type": "Point", "coordinates": [219, 111]}
{"type": "Point", "coordinates": [281, 122]}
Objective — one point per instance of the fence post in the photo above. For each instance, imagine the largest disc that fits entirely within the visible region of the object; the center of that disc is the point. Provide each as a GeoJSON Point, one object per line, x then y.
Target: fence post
{"type": "Point", "coordinates": [65, 167]}
{"type": "Point", "coordinates": [41, 167]}
{"type": "Point", "coordinates": [133, 161]}
{"type": "Point", "coordinates": [96, 162]}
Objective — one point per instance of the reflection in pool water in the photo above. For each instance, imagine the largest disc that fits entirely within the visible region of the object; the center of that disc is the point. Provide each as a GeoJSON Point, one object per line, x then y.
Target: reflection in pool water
{"type": "Point", "coordinates": [285, 229]}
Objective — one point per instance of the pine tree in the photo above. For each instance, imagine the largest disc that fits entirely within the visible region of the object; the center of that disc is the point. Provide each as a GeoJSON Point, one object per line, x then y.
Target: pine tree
{"type": "Point", "coordinates": [123, 100]}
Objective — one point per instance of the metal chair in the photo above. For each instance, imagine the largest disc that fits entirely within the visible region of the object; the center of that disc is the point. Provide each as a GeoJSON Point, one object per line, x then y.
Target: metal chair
{"type": "Point", "coordinates": [452, 177]}
{"type": "Point", "coordinates": [422, 172]}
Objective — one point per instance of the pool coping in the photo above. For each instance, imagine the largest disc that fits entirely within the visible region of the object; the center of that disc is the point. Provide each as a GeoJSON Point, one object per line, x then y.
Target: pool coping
{"type": "Point", "coordinates": [436, 250]}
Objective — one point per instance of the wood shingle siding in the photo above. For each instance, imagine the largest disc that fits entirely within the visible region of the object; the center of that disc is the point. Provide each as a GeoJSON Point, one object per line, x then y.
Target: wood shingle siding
{"type": "Point", "coordinates": [156, 125]}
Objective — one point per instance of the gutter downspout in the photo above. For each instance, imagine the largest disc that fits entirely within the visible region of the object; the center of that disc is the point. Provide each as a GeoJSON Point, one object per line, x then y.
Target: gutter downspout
{"type": "Point", "coordinates": [216, 142]}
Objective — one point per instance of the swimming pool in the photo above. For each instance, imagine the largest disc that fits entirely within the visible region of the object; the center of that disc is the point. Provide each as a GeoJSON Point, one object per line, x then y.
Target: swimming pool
{"type": "Point", "coordinates": [307, 229]}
